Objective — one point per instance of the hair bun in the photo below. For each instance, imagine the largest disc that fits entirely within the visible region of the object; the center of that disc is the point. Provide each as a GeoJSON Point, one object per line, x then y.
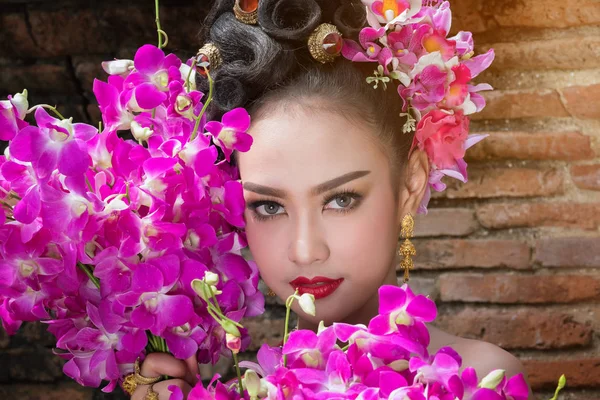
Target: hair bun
{"type": "Point", "coordinates": [229, 93]}
{"type": "Point", "coordinates": [289, 19]}
{"type": "Point", "coordinates": [350, 18]}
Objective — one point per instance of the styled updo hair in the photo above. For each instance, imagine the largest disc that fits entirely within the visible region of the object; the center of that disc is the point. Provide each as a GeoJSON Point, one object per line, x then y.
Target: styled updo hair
{"type": "Point", "coordinates": [268, 64]}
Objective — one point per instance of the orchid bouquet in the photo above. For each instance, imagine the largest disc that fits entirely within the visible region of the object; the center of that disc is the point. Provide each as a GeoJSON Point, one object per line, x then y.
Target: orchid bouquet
{"type": "Point", "coordinates": [388, 359]}
{"type": "Point", "coordinates": [408, 39]}
{"type": "Point", "coordinates": [101, 237]}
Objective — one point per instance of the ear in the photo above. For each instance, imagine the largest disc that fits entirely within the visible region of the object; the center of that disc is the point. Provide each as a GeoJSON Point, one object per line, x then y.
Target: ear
{"type": "Point", "coordinates": [413, 183]}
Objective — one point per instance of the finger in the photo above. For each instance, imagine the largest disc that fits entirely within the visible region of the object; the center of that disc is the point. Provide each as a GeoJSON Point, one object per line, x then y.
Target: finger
{"type": "Point", "coordinates": [140, 392]}
{"type": "Point", "coordinates": [158, 364]}
{"type": "Point", "coordinates": [193, 369]}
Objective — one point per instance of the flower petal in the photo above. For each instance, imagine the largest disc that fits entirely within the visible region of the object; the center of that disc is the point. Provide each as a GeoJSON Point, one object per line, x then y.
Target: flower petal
{"type": "Point", "coordinates": [73, 159]}
{"type": "Point", "coordinates": [148, 59]}
{"type": "Point", "coordinates": [148, 96]}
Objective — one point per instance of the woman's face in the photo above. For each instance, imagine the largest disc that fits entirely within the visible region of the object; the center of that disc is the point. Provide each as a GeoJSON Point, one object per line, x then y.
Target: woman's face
{"type": "Point", "coordinates": [320, 204]}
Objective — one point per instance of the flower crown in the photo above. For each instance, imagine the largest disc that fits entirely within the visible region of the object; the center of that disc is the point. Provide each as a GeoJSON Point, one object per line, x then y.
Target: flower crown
{"type": "Point", "coordinates": [408, 39]}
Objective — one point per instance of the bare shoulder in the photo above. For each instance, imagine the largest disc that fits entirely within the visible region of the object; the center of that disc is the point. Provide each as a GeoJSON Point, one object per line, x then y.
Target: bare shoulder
{"type": "Point", "coordinates": [486, 357]}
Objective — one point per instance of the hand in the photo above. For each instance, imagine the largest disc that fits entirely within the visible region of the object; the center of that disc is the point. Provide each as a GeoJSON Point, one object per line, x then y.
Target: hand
{"type": "Point", "coordinates": [183, 372]}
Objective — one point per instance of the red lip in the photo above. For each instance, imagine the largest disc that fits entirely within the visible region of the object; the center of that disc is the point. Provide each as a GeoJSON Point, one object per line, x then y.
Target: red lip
{"type": "Point", "coordinates": [319, 286]}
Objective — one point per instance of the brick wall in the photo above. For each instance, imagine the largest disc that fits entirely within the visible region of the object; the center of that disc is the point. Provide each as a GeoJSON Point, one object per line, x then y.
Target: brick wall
{"type": "Point", "coordinates": [512, 257]}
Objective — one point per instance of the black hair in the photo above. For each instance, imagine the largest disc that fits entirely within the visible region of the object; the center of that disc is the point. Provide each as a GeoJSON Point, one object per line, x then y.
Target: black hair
{"type": "Point", "coordinates": [269, 62]}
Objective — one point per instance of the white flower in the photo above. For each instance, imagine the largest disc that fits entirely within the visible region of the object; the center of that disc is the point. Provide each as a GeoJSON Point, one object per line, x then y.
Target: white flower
{"type": "Point", "coordinates": [307, 303]}
{"type": "Point", "coordinates": [139, 132]}
{"type": "Point", "coordinates": [211, 278]}
{"type": "Point", "coordinates": [492, 380]}
{"type": "Point", "coordinates": [117, 67]}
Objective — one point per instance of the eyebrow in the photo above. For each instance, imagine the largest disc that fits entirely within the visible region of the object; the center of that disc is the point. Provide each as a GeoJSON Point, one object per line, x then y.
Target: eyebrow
{"type": "Point", "coordinates": [317, 190]}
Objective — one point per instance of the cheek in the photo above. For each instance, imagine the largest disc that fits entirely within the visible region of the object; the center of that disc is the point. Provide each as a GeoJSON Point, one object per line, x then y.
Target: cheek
{"type": "Point", "coordinates": [268, 246]}
{"type": "Point", "coordinates": [365, 243]}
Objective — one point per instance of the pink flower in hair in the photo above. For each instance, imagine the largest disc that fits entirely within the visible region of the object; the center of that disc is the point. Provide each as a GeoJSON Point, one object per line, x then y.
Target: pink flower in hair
{"type": "Point", "coordinates": [444, 137]}
{"type": "Point", "coordinates": [391, 12]}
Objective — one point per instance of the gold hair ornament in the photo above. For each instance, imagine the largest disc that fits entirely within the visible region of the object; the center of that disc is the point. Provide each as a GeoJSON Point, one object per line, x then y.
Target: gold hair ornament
{"type": "Point", "coordinates": [325, 43]}
{"type": "Point", "coordinates": [246, 11]}
{"type": "Point", "coordinates": [209, 58]}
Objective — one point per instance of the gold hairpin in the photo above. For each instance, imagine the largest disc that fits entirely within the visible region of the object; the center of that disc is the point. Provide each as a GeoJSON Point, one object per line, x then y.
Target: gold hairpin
{"type": "Point", "coordinates": [246, 11]}
{"type": "Point", "coordinates": [207, 58]}
{"type": "Point", "coordinates": [325, 43]}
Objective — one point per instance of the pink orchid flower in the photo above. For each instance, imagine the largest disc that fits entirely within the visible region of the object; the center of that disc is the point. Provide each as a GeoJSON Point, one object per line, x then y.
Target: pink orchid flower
{"type": "Point", "coordinates": [230, 134]}
{"type": "Point", "coordinates": [54, 144]}
{"type": "Point", "coordinates": [12, 115]}
{"type": "Point", "coordinates": [151, 77]}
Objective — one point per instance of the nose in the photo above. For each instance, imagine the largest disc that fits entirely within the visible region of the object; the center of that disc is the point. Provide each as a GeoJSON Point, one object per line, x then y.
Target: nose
{"type": "Point", "coordinates": [308, 245]}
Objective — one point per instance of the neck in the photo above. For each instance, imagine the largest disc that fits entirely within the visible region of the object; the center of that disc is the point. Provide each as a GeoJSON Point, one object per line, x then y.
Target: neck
{"type": "Point", "coordinates": [364, 314]}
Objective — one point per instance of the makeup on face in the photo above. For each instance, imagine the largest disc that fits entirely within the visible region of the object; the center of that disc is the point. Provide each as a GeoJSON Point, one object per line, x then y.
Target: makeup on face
{"type": "Point", "coordinates": [320, 210]}
{"type": "Point", "coordinates": [319, 286]}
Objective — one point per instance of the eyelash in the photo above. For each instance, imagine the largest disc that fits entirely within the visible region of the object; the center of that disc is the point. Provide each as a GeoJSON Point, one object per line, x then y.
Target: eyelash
{"type": "Point", "coordinates": [356, 197]}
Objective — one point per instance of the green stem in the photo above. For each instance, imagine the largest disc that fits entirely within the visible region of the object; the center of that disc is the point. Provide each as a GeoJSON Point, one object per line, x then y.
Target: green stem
{"type": "Point", "coordinates": [89, 273]}
{"type": "Point", "coordinates": [561, 384]}
{"type": "Point", "coordinates": [239, 374]}
{"type": "Point", "coordinates": [288, 309]}
{"type": "Point", "coordinates": [158, 28]}
{"type": "Point", "coordinates": [189, 75]}
{"type": "Point", "coordinates": [49, 107]}
{"type": "Point", "coordinates": [205, 106]}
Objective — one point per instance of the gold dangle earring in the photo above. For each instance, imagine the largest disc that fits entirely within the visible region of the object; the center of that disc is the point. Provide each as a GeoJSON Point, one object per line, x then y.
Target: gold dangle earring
{"type": "Point", "coordinates": [407, 249]}
{"type": "Point", "coordinates": [271, 293]}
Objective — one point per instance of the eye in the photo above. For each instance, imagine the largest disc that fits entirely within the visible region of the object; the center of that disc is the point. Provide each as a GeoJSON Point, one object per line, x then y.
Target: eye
{"type": "Point", "coordinates": [268, 208]}
{"type": "Point", "coordinates": [342, 201]}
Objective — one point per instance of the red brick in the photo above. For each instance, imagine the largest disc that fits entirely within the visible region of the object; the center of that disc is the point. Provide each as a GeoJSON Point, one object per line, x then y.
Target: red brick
{"type": "Point", "coordinates": [523, 328]}
{"type": "Point", "coordinates": [446, 222]}
{"type": "Point", "coordinates": [505, 182]}
{"type": "Point", "coordinates": [264, 330]}
{"type": "Point", "coordinates": [522, 104]}
{"type": "Point", "coordinates": [581, 372]}
{"type": "Point", "coordinates": [576, 252]}
{"type": "Point", "coordinates": [460, 253]}
{"type": "Point", "coordinates": [32, 364]}
{"type": "Point", "coordinates": [561, 53]}
{"type": "Point", "coordinates": [510, 215]}
{"type": "Point", "coordinates": [68, 31]}
{"type": "Point", "coordinates": [567, 146]}
{"type": "Point", "coordinates": [88, 68]}
{"type": "Point", "coordinates": [567, 394]}
{"type": "Point", "coordinates": [4, 338]}
{"type": "Point", "coordinates": [547, 14]}
{"type": "Point", "coordinates": [526, 289]}
{"type": "Point", "coordinates": [16, 40]}
{"type": "Point", "coordinates": [478, 15]}
{"type": "Point", "coordinates": [61, 391]}
{"type": "Point", "coordinates": [586, 176]}
{"type": "Point", "coordinates": [38, 79]}
{"type": "Point", "coordinates": [420, 285]}
{"type": "Point", "coordinates": [583, 101]}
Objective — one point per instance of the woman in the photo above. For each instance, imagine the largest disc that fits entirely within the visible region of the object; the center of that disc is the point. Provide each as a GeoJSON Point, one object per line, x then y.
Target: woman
{"type": "Point", "coordinates": [330, 175]}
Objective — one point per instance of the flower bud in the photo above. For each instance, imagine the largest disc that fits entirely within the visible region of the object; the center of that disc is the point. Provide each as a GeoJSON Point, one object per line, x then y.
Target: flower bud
{"type": "Point", "coordinates": [251, 382]}
{"type": "Point", "coordinates": [139, 132]}
{"type": "Point", "coordinates": [230, 328]}
{"type": "Point", "coordinates": [492, 380]}
{"type": "Point", "coordinates": [21, 104]}
{"type": "Point", "coordinates": [307, 303]}
{"type": "Point", "coordinates": [234, 343]}
{"type": "Point", "coordinates": [399, 365]}
{"type": "Point", "coordinates": [211, 278]}
{"type": "Point", "coordinates": [117, 67]}
{"type": "Point", "coordinates": [203, 290]}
